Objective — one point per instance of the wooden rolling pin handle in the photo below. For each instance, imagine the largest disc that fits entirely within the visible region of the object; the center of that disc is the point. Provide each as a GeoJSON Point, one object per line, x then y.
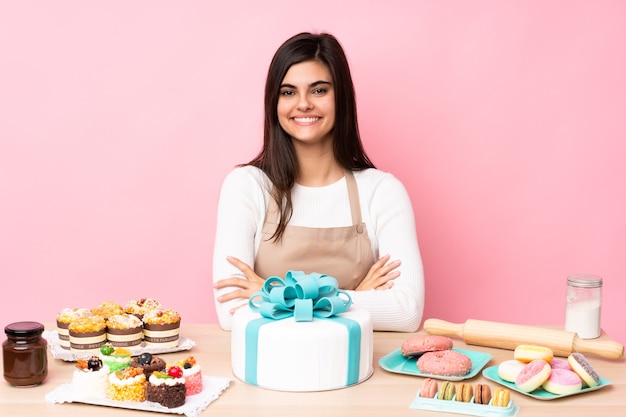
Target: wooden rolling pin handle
{"type": "Point", "coordinates": [443, 328]}
{"type": "Point", "coordinates": [606, 348]}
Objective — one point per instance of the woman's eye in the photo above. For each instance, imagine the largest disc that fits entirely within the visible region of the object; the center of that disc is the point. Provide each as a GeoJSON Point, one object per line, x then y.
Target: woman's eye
{"type": "Point", "coordinates": [286, 93]}
{"type": "Point", "coordinates": [320, 91]}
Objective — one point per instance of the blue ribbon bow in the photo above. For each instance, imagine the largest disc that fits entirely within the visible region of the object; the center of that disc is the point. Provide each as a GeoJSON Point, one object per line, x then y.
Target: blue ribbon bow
{"type": "Point", "coordinates": [301, 296]}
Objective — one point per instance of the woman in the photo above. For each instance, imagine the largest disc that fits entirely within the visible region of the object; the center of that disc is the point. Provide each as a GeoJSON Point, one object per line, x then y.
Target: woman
{"type": "Point", "coordinates": [338, 214]}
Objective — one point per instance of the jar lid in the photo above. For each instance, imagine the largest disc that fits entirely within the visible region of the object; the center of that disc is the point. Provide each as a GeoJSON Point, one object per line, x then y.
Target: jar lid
{"type": "Point", "coordinates": [24, 329]}
{"type": "Point", "coordinates": [584, 280]}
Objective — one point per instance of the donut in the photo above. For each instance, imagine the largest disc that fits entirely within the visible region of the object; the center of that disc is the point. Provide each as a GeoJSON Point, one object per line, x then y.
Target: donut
{"type": "Point", "coordinates": [444, 363]}
{"type": "Point", "coordinates": [501, 397]}
{"type": "Point", "coordinates": [429, 389]}
{"type": "Point", "coordinates": [464, 392]}
{"type": "Point", "coordinates": [482, 394]}
{"type": "Point", "coordinates": [533, 375]}
{"type": "Point", "coordinates": [528, 353]}
{"type": "Point", "coordinates": [447, 391]}
{"type": "Point", "coordinates": [510, 369]}
{"type": "Point", "coordinates": [418, 345]}
{"type": "Point", "coordinates": [558, 363]}
{"type": "Point", "coordinates": [583, 368]}
{"type": "Point", "coordinates": [563, 381]}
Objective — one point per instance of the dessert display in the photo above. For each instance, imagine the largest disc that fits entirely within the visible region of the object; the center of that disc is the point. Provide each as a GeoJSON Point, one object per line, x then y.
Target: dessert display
{"type": "Point", "coordinates": [465, 398]}
{"type": "Point", "coordinates": [109, 322]}
{"type": "Point", "coordinates": [141, 306]}
{"type": "Point", "coordinates": [286, 343]}
{"type": "Point", "coordinates": [115, 358]}
{"type": "Point", "coordinates": [167, 387]}
{"type": "Point", "coordinates": [124, 330]}
{"type": "Point", "coordinates": [63, 320]}
{"type": "Point", "coordinates": [128, 384]}
{"type": "Point", "coordinates": [86, 335]}
{"type": "Point", "coordinates": [149, 363]}
{"type": "Point", "coordinates": [161, 328]}
{"type": "Point", "coordinates": [90, 378]}
{"type": "Point", "coordinates": [192, 372]}
{"type": "Point", "coordinates": [546, 380]}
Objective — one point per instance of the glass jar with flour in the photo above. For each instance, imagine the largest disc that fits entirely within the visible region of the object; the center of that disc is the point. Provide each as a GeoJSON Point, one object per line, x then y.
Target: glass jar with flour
{"type": "Point", "coordinates": [583, 305]}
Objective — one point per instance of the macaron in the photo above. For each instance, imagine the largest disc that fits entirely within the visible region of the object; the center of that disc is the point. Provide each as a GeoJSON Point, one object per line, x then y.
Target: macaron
{"type": "Point", "coordinates": [419, 345]}
{"type": "Point", "coordinates": [510, 369]}
{"type": "Point", "coordinates": [464, 392]}
{"type": "Point", "coordinates": [501, 397]}
{"type": "Point", "coordinates": [528, 353]}
{"type": "Point", "coordinates": [533, 375]}
{"type": "Point", "coordinates": [447, 391]}
{"type": "Point", "coordinates": [445, 363]}
{"type": "Point", "coordinates": [563, 381]}
{"type": "Point", "coordinates": [429, 389]}
{"type": "Point", "coordinates": [583, 368]}
{"type": "Point", "coordinates": [482, 394]}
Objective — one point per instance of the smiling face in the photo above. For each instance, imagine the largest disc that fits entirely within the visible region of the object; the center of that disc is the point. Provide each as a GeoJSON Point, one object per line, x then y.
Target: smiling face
{"type": "Point", "coordinates": [306, 103]}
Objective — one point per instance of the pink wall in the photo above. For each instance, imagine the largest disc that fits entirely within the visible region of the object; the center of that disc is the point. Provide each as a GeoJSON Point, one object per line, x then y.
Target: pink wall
{"type": "Point", "coordinates": [505, 121]}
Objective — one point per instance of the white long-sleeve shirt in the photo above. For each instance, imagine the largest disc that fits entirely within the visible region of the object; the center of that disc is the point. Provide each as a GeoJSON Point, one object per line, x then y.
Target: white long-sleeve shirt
{"type": "Point", "coordinates": [387, 213]}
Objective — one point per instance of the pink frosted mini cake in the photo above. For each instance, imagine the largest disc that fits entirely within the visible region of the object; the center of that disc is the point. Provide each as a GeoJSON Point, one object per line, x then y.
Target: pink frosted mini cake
{"type": "Point", "coordinates": [193, 375]}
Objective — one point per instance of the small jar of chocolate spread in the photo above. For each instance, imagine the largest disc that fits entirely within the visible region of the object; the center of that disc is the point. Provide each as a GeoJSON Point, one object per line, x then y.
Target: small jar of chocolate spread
{"type": "Point", "coordinates": [24, 354]}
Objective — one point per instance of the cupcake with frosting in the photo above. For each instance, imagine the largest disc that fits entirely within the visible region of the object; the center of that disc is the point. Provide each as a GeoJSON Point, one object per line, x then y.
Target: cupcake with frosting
{"type": "Point", "coordinates": [87, 335]}
{"type": "Point", "coordinates": [124, 330]}
{"type": "Point", "coordinates": [107, 309]}
{"type": "Point", "coordinates": [161, 328]}
{"type": "Point", "coordinates": [167, 387]}
{"type": "Point", "coordinates": [129, 384]}
{"type": "Point", "coordinates": [141, 306]}
{"type": "Point", "coordinates": [64, 318]}
{"type": "Point", "coordinates": [115, 358]}
{"type": "Point", "coordinates": [90, 378]}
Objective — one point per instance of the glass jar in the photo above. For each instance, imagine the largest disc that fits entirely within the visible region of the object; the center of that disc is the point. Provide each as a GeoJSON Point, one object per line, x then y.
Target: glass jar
{"type": "Point", "coordinates": [583, 305]}
{"type": "Point", "coordinates": [24, 354]}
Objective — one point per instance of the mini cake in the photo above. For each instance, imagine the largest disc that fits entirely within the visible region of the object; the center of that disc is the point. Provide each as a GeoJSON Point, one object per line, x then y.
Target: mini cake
{"type": "Point", "coordinates": [124, 330]}
{"type": "Point", "coordinates": [87, 335]}
{"type": "Point", "coordinates": [127, 385]}
{"type": "Point", "coordinates": [149, 363]}
{"type": "Point", "coordinates": [161, 328]}
{"type": "Point", "coordinates": [167, 388]}
{"type": "Point", "coordinates": [90, 379]}
{"type": "Point", "coordinates": [64, 318]}
{"type": "Point", "coordinates": [115, 358]}
{"type": "Point", "coordinates": [193, 375]}
{"type": "Point", "coordinates": [141, 306]}
{"type": "Point", "coordinates": [107, 309]}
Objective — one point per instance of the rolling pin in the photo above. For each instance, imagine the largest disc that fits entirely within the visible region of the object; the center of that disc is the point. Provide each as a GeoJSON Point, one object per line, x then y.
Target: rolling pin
{"type": "Point", "coordinates": [508, 336]}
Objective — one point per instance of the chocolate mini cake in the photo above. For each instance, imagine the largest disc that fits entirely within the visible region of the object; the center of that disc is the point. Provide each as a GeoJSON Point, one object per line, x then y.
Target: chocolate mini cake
{"type": "Point", "coordinates": [167, 388]}
{"type": "Point", "coordinates": [148, 363]}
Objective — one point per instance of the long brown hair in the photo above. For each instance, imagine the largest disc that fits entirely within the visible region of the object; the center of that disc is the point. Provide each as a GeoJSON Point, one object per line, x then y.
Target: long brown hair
{"type": "Point", "coordinates": [277, 158]}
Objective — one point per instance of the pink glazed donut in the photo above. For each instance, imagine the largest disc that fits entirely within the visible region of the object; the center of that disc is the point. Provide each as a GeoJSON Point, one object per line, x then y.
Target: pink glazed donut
{"type": "Point", "coordinates": [418, 345]}
{"type": "Point", "coordinates": [563, 381]}
{"type": "Point", "coordinates": [445, 363]}
{"type": "Point", "coordinates": [533, 375]}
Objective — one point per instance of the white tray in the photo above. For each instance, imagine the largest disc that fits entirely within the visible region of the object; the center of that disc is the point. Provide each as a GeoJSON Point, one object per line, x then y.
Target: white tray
{"type": "Point", "coordinates": [212, 387]}
{"type": "Point", "coordinates": [52, 336]}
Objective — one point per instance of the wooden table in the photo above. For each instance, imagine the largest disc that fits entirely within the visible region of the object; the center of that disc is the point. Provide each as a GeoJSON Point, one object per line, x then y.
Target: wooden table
{"type": "Point", "coordinates": [384, 394]}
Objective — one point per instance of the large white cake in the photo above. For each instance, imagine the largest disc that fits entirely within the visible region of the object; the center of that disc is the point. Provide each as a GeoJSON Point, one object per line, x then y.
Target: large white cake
{"type": "Point", "coordinates": [288, 355]}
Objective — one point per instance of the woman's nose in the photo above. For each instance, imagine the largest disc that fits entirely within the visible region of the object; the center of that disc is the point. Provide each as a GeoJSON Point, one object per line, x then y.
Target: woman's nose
{"type": "Point", "coordinates": [304, 103]}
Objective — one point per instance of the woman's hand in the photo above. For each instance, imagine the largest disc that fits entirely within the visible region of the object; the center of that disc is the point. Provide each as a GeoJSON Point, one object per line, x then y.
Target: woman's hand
{"type": "Point", "coordinates": [246, 286]}
{"type": "Point", "coordinates": [380, 276]}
